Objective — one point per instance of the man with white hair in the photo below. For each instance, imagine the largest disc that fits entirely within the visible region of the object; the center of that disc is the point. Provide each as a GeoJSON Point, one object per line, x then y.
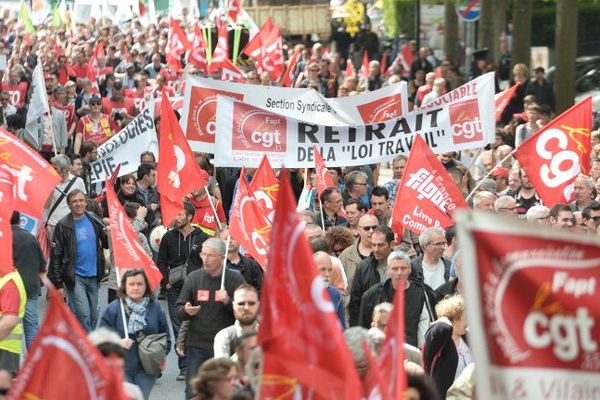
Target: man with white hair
{"type": "Point", "coordinates": [583, 190]}
{"type": "Point", "coordinates": [506, 205]}
{"type": "Point", "coordinates": [416, 318]}
{"type": "Point", "coordinates": [538, 214]}
{"type": "Point", "coordinates": [206, 304]}
{"type": "Point", "coordinates": [438, 90]}
{"type": "Point", "coordinates": [431, 267]}
{"type": "Point", "coordinates": [484, 201]}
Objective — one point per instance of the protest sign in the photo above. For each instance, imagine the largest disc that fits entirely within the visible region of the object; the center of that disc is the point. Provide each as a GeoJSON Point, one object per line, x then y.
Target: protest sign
{"type": "Point", "coordinates": [200, 106]}
{"type": "Point", "coordinates": [532, 306]}
{"type": "Point", "coordinates": [461, 119]}
{"type": "Point", "coordinates": [125, 147]}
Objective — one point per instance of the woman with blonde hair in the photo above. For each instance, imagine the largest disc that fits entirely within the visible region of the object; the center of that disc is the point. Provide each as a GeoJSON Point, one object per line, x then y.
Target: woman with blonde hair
{"type": "Point", "coordinates": [445, 351]}
{"type": "Point", "coordinates": [217, 379]}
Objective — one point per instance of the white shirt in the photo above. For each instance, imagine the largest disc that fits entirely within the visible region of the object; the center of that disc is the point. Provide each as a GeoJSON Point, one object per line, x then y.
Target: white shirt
{"type": "Point", "coordinates": [434, 276]}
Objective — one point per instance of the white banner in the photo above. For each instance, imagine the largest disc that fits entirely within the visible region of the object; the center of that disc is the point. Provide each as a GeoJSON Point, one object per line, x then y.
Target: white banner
{"type": "Point", "coordinates": [461, 119]}
{"type": "Point", "coordinates": [125, 147]}
{"type": "Point", "coordinates": [200, 105]}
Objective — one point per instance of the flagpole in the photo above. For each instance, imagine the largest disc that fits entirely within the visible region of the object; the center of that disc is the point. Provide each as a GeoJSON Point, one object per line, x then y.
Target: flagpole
{"type": "Point", "coordinates": [225, 262]}
{"type": "Point", "coordinates": [123, 318]}
{"type": "Point", "coordinates": [489, 173]}
{"type": "Point", "coordinates": [212, 206]}
{"type": "Point", "coordinates": [322, 217]}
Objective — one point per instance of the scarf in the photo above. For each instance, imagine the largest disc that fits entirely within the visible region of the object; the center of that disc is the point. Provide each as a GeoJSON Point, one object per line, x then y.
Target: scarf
{"type": "Point", "coordinates": [137, 317]}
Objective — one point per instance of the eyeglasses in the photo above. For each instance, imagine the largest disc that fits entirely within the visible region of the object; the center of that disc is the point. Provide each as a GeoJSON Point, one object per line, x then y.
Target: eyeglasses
{"type": "Point", "coordinates": [438, 243]}
{"type": "Point", "coordinates": [94, 104]}
{"type": "Point", "coordinates": [369, 227]}
{"type": "Point", "coordinates": [248, 303]}
{"type": "Point", "coordinates": [210, 255]}
{"type": "Point", "coordinates": [361, 184]}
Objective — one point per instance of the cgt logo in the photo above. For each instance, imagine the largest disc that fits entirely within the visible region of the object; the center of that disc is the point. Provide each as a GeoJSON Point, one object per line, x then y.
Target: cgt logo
{"type": "Point", "coordinates": [380, 110]}
{"type": "Point", "coordinates": [258, 130]}
{"type": "Point", "coordinates": [203, 113]}
{"type": "Point", "coordinates": [465, 121]}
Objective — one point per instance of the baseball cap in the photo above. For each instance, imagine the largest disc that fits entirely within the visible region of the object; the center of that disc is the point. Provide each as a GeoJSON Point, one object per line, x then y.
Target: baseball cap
{"type": "Point", "coordinates": [500, 171]}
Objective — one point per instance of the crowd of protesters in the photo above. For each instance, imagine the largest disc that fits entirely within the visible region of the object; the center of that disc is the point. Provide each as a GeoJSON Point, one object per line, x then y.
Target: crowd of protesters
{"type": "Point", "coordinates": [358, 255]}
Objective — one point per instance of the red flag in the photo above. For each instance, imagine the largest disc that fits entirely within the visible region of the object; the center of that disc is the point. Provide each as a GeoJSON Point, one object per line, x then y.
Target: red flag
{"type": "Point", "coordinates": [112, 181]}
{"type": "Point", "coordinates": [364, 68]}
{"type": "Point", "coordinates": [391, 356]}
{"type": "Point", "coordinates": [265, 188]}
{"type": "Point", "coordinates": [373, 380]}
{"type": "Point", "coordinates": [222, 50]}
{"type": "Point", "coordinates": [324, 180]}
{"type": "Point", "coordinates": [6, 209]}
{"type": "Point", "coordinates": [558, 152]}
{"type": "Point", "coordinates": [34, 178]}
{"type": "Point", "coordinates": [127, 249]}
{"type": "Point", "coordinates": [407, 56]}
{"type": "Point", "coordinates": [307, 363]}
{"type": "Point", "coordinates": [288, 76]}
{"type": "Point", "coordinates": [350, 72]}
{"type": "Point", "coordinates": [234, 9]}
{"type": "Point", "coordinates": [384, 61]}
{"type": "Point", "coordinates": [503, 98]}
{"type": "Point", "coordinates": [177, 45]}
{"type": "Point", "coordinates": [252, 48]}
{"type": "Point", "coordinates": [249, 226]}
{"type": "Point", "coordinates": [142, 6]}
{"type": "Point", "coordinates": [427, 195]}
{"type": "Point", "coordinates": [61, 341]}
{"type": "Point", "coordinates": [178, 173]}
{"type": "Point", "coordinates": [272, 58]}
{"type": "Point", "coordinates": [230, 72]}
{"type": "Point", "coordinates": [197, 56]}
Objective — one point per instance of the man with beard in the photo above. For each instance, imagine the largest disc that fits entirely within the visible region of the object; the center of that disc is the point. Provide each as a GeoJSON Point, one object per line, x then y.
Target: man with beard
{"type": "Point", "coordinates": [525, 196]}
{"type": "Point", "coordinates": [245, 311]}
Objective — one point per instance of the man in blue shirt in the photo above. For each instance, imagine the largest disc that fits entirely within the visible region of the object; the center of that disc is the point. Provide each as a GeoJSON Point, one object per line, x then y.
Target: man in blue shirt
{"type": "Point", "coordinates": [77, 260]}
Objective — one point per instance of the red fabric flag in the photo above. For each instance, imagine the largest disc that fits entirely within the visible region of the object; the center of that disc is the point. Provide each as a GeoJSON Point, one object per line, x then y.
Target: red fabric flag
{"type": "Point", "coordinates": [197, 56]}
{"type": "Point", "coordinates": [99, 49]}
{"type": "Point", "coordinates": [558, 152]}
{"type": "Point", "coordinates": [34, 178]}
{"type": "Point", "coordinates": [252, 48]}
{"type": "Point", "coordinates": [230, 72]}
{"type": "Point", "coordinates": [265, 188]}
{"type": "Point", "coordinates": [391, 356]}
{"type": "Point", "coordinates": [61, 341]}
{"type": "Point", "coordinates": [234, 9]}
{"type": "Point", "coordinates": [222, 50]}
{"type": "Point", "coordinates": [177, 45]}
{"type": "Point", "coordinates": [384, 62]}
{"type": "Point", "coordinates": [407, 56]}
{"type": "Point", "coordinates": [127, 249]}
{"type": "Point", "coordinates": [373, 380]}
{"type": "Point", "coordinates": [288, 76]}
{"type": "Point", "coordinates": [6, 209]}
{"type": "Point", "coordinates": [350, 72]}
{"type": "Point", "coordinates": [305, 354]}
{"type": "Point", "coordinates": [272, 58]}
{"type": "Point", "coordinates": [142, 6]}
{"type": "Point", "coordinates": [249, 226]}
{"type": "Point", "coordinates": [503, 98]}
{"type": "Point", "coordinates": [324, 180]}
{"type": "Point", "coordinates": [111, 181]}
{"type": "Point", "coordinates": [178, 173]}
{"type": "Point", "coordinates": [427, 195]}
{"type": "Point", "coordinates": [364, 68]}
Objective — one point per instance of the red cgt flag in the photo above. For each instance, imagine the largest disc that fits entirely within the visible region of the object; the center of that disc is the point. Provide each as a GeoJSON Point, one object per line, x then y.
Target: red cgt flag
{"type": "Point", "coordinates": [273, 54]}
{"type": "Point", "coordinates": [197, 56]}
{"type": "Point", "coordinates": [253, 47]}
{"type": "Point", "coordinates": [234, 10]}
{"type": "Point", "coordinates": [126, 246]}
{"type": "Point", "coordinates": [177, 173]}
{"type": "Point", "coordinates": [323, 178]}
{"type": "Point", "coordinates": [177, 45]}
{"type": "Point", "coordinates": [249, 226]}
{"type": "Point", "coordinates": [34, 178]}
{"type": "Point", "coordinates": [288, 76]}
{"type": "Point", "coordinates": [222, 50]}
{"type": "Point", "coordinates": [305, 355]}
{"type": "Point", "coordinates": [558, 152]}
{"type": "Point", "coordinates": [503, 98]}
{"type": "Point", "coordinates": [427, 195]}
{"type": "Point", "coordinates": [265, 188]}
{"type": "Point", "coordinates": [229, 72]}
{"type": "Point", "coordinates": [349, 69]}
{"type": "Point", "coordinates": [61, 341]}
{"type": "Point", "coordinates": [364, 68]}
{"type": "Point", "coordinates": [391, 356]}
{"type": "Point", "coordinates": [6, 209]}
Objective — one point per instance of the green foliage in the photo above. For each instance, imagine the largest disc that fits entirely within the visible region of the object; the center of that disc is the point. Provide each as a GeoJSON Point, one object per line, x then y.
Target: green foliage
{"type": "Point", "coordinates": [544, 23]}
{"type": "Point", "coordinates": [399, 17]}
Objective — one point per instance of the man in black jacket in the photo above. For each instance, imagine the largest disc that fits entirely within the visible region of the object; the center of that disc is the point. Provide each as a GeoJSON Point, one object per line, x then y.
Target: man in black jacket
{"type": "Point", "coordinates": [77, 260]}
{"type": "Point", "coordinates": [248, 267]}
{"type": "Point", "coordinates": [416, 318]}
{"type": "Point", "coordinates": [175, 249]}
{"type": "Point", "coordinates": [207, 305]}
{"type": "Point", "coordinates": [372, 270]}
{"type": "Point", "coordinates": [432, 268]}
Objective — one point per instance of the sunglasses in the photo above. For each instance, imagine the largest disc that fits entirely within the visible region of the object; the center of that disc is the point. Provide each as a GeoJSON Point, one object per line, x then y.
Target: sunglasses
{"type": "Point", "coordinates": [369, 228]}
{"type": "Point", "coordinates": [248, 303]}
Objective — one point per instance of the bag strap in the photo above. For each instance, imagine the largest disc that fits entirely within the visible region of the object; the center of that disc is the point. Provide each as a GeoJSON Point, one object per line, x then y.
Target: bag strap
{"type": "Point", "coordinates": [63, 194]}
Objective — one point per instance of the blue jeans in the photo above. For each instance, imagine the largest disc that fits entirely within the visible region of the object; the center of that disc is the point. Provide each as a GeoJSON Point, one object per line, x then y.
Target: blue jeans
{"type": "Point", "coordinates": [195, 358]}
{"type": "Point", "coordinates": [30, 321]}
{"type": "Point", "coordinates": [172, 295]}
{"type": "Point", "coordinates": [83, 301]}
{"type": "Point", "coordinates": [143, 380]}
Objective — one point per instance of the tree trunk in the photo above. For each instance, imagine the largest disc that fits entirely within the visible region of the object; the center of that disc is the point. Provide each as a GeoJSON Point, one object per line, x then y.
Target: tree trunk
{"type": "Point", "coordinates": [500, 9]}
{"type": "Point", "coordinates": [521, 48]}
{"type": "Point", "coordinates": [566, 52]}
{"type": "Point", "coordinates": [451, 31]}
{"type": "Point", "coordinates": [486, 28]}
